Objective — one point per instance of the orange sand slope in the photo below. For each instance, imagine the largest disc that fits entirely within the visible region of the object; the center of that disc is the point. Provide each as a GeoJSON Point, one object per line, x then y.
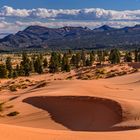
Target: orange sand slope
{"type": "Point", "coordinates": [99, 109]}
{"type": "Point", "coordinates": [22, 133]}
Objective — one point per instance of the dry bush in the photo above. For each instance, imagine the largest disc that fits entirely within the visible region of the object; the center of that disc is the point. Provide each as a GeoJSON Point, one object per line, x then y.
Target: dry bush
{"type": "Point", "coordinates": [12, 114]}
{"type": "Point", "coordinates": [13, 88]}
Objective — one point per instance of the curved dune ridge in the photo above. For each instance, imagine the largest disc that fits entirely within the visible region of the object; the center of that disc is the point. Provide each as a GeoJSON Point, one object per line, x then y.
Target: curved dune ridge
{"type": "Point", "coordinates": [81, 113]}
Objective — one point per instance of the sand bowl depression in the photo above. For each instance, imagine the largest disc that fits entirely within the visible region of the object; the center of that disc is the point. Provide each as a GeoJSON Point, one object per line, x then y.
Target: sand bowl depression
{"type": "Point", "coordinates": [81, 113]}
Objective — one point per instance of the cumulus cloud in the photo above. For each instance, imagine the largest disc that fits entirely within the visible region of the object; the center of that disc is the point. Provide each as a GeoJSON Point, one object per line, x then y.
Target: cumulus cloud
{"type": "Point", "coordinates": [13, 20]}
{"type": "Point", "coordinates": [9, 11]}
{"type": "Point", "coordinates": [75, 14]}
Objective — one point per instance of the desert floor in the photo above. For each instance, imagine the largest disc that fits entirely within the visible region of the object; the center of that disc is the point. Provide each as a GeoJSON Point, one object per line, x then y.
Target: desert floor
{"type": "Point", "coordinates": [105, 109]}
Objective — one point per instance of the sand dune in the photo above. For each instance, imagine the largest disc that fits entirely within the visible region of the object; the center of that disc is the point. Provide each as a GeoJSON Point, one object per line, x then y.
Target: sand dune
{"type": "Point", "coordinates": [98, 109]}
{"type": "Point", "coordinates": [23, 133]}
{"type": "Point", "coordinates": [81, 113]}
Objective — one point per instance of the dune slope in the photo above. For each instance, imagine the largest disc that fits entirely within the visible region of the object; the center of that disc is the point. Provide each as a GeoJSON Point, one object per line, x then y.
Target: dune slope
{"type": "Point", "coordinates": [80, 113]}
{"type": "Point", "coordinates": [76, 110]}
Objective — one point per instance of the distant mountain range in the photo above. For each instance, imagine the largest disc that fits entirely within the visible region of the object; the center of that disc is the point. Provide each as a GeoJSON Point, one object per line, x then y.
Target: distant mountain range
{"type": "Point", "coordinates": [35, 37]}
{"type": "Point", "coordinates": [2, 35]}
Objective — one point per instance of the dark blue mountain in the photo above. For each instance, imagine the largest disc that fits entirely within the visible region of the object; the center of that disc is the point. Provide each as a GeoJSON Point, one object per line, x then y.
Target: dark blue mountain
{"type": "Point", "coordinates": [73, 38]}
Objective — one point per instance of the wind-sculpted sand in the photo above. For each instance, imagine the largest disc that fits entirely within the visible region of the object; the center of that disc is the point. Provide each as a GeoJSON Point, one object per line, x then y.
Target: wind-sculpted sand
{"type": "Point", "coordinates": [80, 113]}
{"type": "Point", "coordinates": [82, 110]}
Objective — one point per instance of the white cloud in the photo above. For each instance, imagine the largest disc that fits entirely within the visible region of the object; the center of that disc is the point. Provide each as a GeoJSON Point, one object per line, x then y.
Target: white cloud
{"type": "Point", "coordinates": [13, 20]}
{"type": "Point", "coordinates": [118, 24]}
{"type": "Point", "coordinates": [75, 14]}
{"type": "Point", "coordinates": [18, 25]}
{"type": "Point", "coordinates": [9, 11]}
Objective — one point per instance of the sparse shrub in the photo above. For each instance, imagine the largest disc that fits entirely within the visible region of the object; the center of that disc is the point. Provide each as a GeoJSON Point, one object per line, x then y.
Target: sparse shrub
{"type": "Point", "coordinates": [69, 78]}
{"type": "Point", "coordinates": [122, 73]}
{"type": "Point", "coordinates": [27, 80]}
{"type": "Point", "coordinates": [99, 76]}
{"type": "Point", "coordinates": [100, 71]}
{"type": "Point", "coordinates": [1, 107]}
{"type": "Point", "coordinates": [13, 88]}
{"type": "Point", "coordinates": [12, 114]}
{"type": "Point", "coordinates": [24, 86]}
{"type": "Point", "coordinates": [110, 75]}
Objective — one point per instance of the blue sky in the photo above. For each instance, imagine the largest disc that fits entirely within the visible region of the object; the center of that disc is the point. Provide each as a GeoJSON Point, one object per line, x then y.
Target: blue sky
{"type": "Point", "coordinates": [16, 15]}
{"type": "Point", "coordinates": [69, 4]}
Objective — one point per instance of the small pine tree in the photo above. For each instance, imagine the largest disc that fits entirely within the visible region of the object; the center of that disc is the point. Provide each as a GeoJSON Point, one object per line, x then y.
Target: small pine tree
{"type": "Point", "coordinates": [45, 63]}
{"type": "Point", "coordinates": [19, 70]}
{"type": "Point", "coordinates": [92, 58]}
{"type": "Point", "coordinates": [105, 52]}
{"type": "Point", "coordinates": [58, 55]}
{"type": "Point", "coordinates": [73, 60]}
{"type": "Point", "coordinates": [65, 66]}
{"type": "Point", "coordinates": [32, 66]}
{"type": "Point", "coordinates": [9, 66]}
{"type": "Point", "coordinates": [70, 53]}
{"type": "Point", "coordinates": [3, 71]}
{"type": "Point", "coordinates": [88, 62]}
{"type": "Point", "coordinates": [139, 57]}
{"type": "Point", "coordinates": [101, 57]}
{"type": "Point", "coordinates": [15, 74]}
{"type": "Point", "coordinates": [136, 55]}
{"type": "Point", "coordinates": [83, 57]}
{"type": "Point", "coordinates": [25, 64]}
{"type": "Point", "coordinates": [114, 56]}
{"type": "Point", "coordinates": [68, 68]}
{"type": "Point", "coordinates": [38, 65]}
{"type": "Point", "coordinates": [41, 56]}
{"type": "Point", "coordinates": [78, 60]}
{"type": "Point", "coordinates": [128, 57]}
{"type": "Point", "coordinates": [54, 62]}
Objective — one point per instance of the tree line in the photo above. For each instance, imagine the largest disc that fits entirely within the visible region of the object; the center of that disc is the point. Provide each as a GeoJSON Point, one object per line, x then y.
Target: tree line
{"type": "Point", "coordinates": [59, 61]}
